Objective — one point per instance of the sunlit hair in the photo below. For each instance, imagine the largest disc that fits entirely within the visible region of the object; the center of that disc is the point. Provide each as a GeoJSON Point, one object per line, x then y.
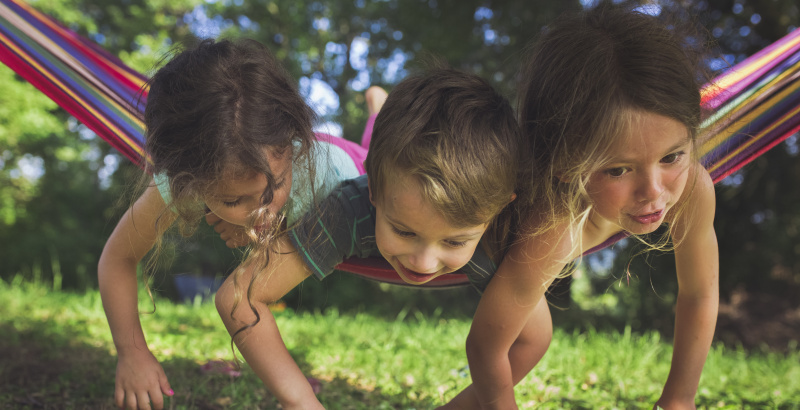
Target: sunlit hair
{"type": "Point", "coordinates": [586, 76]}
{"type": "Point", "coordinates": [213, 110]}
{"type": "Point", "coordinates": [454, 134]}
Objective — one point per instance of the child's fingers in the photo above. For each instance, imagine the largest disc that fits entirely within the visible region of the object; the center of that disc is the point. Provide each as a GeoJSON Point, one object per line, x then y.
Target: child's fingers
{"type": "Point", "coordinates": [119, 396]}
{"type": "Point", "coordinates": [131, 401]}
{"type": "Point", "coordinates": [165, 387]}
{"type": "Point", "coordinates": [156, 399]}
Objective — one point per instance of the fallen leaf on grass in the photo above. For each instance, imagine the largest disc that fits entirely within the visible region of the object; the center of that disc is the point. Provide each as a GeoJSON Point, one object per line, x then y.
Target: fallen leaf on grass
{"type": "Point", "coordinates": [316, 385]}
{"type": "Point", "coordinates": [221, 366]}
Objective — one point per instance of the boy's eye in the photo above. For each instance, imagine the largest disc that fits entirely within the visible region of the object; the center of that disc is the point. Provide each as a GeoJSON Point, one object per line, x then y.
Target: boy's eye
{"type": "Point", "coordinates": [402, 234]}
{"type": "Point", "coordinates": [672, 158]}
{"type": "Point", "coordinates": [456, 244]}
{"type": "Point", "coordinates": [616, 172]}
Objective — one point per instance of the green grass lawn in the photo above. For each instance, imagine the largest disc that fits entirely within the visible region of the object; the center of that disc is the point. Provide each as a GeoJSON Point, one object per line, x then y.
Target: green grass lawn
{"type": "Point", "coordinates": [56, 352]}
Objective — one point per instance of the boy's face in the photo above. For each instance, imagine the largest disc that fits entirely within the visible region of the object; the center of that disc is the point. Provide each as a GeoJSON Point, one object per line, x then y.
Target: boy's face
{"type": "Point", "coordinates": [415, 238]}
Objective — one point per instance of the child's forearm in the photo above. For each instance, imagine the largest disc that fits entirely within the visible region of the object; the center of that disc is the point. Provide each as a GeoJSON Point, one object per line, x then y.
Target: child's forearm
{"type": "Point", "coordinates": [264, 350]}
{"type": "Point", "coordinates": [118, 291]}
{"type": "Point", "coordinates": [492, 376]}
{"type": "Point", "coordinates": [694, 330]}
{"type": "Point", "coordinates": [526, 351]}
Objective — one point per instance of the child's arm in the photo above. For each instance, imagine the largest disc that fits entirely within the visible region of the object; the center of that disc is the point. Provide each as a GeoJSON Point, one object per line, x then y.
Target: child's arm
{"type": "Point", "coordinates": [261, 345]}
{"type": "Point", "coordinates": [140, 378]}
{"type": "Point", "coordinates": [697, 262]}
{"type": "Point", "coordinates": [526, 351]}
{"type": "Point", "coordinates": [510, 308]}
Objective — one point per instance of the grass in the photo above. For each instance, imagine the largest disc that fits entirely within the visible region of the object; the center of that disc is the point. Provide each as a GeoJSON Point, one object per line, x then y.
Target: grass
{"type": "Point", "coordinates": [56, 352]}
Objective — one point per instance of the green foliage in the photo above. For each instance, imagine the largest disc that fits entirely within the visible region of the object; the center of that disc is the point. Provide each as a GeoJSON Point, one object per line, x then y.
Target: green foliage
{"type": "Point", "coordinates": [53, 223]}
{"type": "Point", "coordinates": [58, 349]}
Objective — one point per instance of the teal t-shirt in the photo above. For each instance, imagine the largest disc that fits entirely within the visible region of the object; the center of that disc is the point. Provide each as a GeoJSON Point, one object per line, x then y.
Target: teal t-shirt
{"type": "Point", "coordinates": [332, 165]}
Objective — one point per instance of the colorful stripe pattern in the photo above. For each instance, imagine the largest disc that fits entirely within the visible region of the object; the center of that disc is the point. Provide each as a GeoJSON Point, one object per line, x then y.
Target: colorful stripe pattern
{"type": "Point", "coordinates": [754, 105]}
{"type": "Point", "coordinates": [88, 82]}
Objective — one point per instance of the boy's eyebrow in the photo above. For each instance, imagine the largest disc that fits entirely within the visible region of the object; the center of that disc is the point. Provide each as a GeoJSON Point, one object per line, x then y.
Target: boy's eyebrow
{"type": "Point", "coordinates": [396, 222]}
{"type": "Point", "coordinates": [466, 235]}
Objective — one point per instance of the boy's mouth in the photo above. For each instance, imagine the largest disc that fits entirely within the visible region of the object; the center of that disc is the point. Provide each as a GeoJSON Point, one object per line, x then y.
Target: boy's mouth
{"type": "Point", "coordinates": [412, 277]}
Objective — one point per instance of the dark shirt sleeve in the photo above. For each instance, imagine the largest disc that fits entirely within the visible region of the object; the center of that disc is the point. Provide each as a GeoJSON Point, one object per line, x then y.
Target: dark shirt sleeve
{"type": "Point", "coordinates": [342, 226]}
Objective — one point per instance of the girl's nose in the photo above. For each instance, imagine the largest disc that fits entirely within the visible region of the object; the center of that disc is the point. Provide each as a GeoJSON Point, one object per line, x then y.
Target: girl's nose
{"type": "Point", "coordinates": [650, 188]}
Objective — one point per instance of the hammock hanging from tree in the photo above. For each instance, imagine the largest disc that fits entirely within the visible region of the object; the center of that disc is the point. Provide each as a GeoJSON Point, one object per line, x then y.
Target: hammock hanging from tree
{"type": "Point", "coordinates": [755, 105]}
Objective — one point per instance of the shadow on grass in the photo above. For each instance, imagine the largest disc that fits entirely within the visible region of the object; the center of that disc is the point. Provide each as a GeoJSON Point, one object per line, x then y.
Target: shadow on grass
{"type": "Point", "coordinates": [41, 368]}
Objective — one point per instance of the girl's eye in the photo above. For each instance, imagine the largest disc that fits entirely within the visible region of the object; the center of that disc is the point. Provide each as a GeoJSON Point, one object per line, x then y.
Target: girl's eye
{"type": "Point", "coordinates": [672, 158]}
{"type": "Point", "coordinates": [402, 234]}
{"type": "Point", "coordinates": [456, 244]}
{"type": "Point", "coordinates": [616, 172]}
{"type": "Point", "coordinates": [231, 204]}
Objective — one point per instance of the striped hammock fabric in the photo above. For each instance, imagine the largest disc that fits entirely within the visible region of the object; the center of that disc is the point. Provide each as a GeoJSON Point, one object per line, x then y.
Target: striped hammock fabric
{"type": "Point", "coordinates": [88, 82]}
{"type": "Point", "coordinates": [755, 105]}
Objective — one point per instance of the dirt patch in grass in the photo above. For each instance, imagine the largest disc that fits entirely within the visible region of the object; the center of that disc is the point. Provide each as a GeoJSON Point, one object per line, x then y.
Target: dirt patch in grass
{"type": "Point", "coordinates": [758, 320]}
{"type": "Point", "coordinates": [40, 373]}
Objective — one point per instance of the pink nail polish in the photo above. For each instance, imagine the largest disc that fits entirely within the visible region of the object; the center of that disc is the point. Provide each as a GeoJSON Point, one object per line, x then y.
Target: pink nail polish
{"type": "Point", "coordinates": [171, 393]}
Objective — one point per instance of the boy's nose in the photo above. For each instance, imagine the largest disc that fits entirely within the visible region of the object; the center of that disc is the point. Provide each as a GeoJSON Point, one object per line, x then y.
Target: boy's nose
{"type": "Point", "coordinates": [424, 261]}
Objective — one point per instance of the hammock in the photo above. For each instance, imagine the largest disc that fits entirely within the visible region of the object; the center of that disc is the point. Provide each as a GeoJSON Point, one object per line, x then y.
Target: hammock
{"type": "Point", "coordinates": [755, 104]}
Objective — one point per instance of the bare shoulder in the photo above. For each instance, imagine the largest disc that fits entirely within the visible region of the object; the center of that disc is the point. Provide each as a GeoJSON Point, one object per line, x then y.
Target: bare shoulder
{"type": "Point", "coordinates": [698, 204]}
{"type": "Point", "coordinates": [539, 255]}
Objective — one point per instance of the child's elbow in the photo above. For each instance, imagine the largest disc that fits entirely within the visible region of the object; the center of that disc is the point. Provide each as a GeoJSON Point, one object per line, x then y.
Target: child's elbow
{"type": "Point", "coordinates": [224, 300]}
{"type": "Point", "coordinates": [475, 345]}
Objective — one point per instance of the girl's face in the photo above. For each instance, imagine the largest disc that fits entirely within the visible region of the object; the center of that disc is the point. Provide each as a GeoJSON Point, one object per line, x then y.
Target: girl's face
{"type": "Point", "coordinates": [415, 238]}
{"type": "Point", "coordinates": [236, 198]}
{"type": "Point", "coordinates": [646, 177]}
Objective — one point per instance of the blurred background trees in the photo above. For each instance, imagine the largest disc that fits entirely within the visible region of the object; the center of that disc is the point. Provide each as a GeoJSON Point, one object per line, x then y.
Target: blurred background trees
{"type": "Point", "coordinates": [62, 189]}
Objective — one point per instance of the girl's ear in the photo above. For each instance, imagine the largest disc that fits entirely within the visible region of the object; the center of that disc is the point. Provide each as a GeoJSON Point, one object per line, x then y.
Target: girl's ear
{"type": "Point", "coordinates": [513, 197]}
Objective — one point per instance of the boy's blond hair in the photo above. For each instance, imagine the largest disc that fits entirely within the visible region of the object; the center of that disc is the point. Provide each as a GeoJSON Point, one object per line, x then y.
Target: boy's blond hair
{"type": "Point", "coordinates": [456, 136]}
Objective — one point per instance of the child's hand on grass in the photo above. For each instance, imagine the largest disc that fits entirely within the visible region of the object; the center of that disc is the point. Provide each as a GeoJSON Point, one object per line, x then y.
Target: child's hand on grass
{"type": "Point", "coordinates": [141, 381]}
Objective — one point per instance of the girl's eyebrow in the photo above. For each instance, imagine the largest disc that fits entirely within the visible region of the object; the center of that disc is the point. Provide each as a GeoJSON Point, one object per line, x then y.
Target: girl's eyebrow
{"type": "Point", "coordinates": [680, 144]}
{"type": "Point", "coordinates": [683, 142]}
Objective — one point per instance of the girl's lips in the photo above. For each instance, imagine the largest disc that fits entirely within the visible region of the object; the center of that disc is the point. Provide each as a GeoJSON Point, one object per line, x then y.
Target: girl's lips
{"type": "Point", "coordinates": [647, 219]}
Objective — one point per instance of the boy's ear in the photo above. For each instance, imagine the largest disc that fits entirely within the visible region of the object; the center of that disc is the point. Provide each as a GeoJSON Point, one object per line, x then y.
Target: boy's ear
{"type": "Point", "coordinates": [369, 189]}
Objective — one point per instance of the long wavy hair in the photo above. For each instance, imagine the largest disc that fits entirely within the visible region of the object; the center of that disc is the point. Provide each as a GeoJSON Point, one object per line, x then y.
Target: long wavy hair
{"type": "Point", "coordinates": [586, 76]}
{"type": "Point", "coordinates": [212, 111]}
